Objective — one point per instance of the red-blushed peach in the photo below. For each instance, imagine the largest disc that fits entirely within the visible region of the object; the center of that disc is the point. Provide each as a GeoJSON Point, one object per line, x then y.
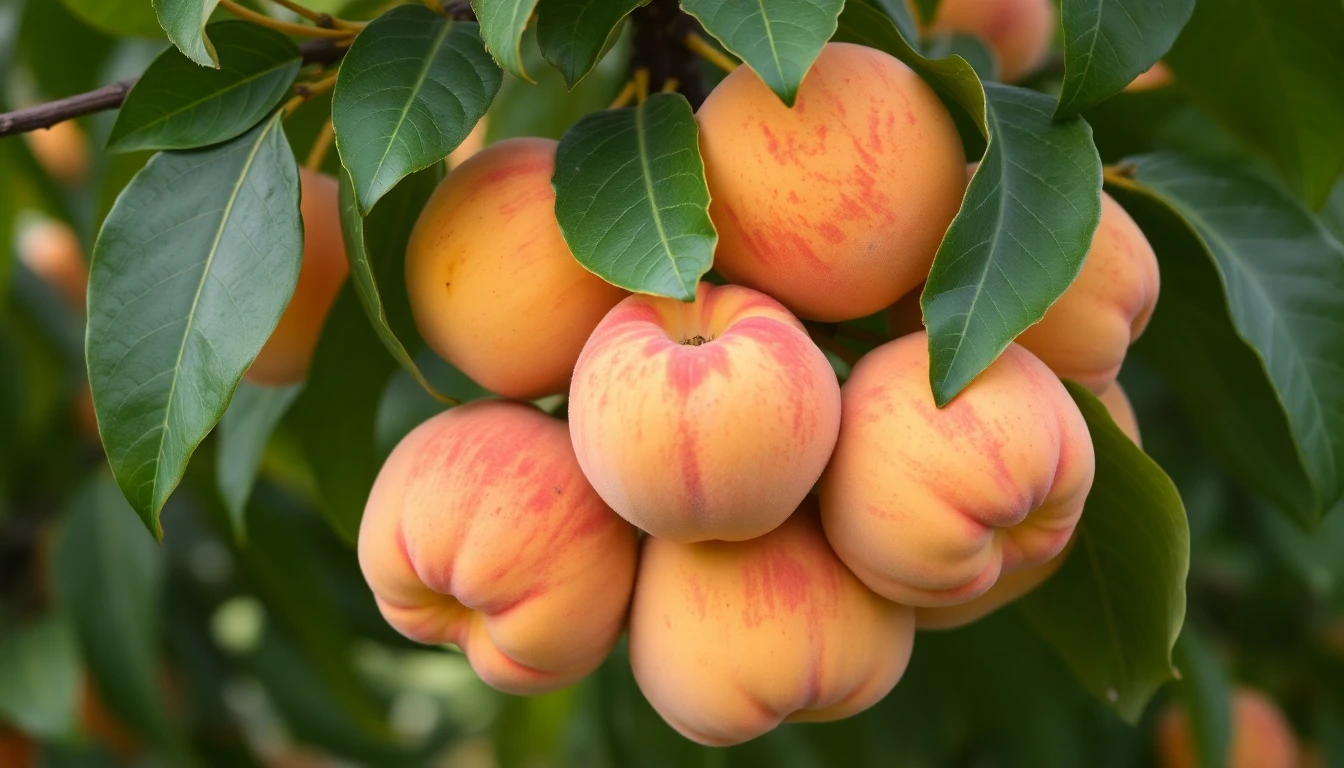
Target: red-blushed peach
{"type": "Point", "coordinates": [1261, 735]}
{"type": "Point", "coordinates": [285, 357]}
{"type": "Point", "coordinates": [1086, 333]}
{"type": "Point", "coordinates": [703, 420]}
{"type": "Point", "coordinates": [493, 286]}
{"type": "Point", "coordinates": [930, 506]}
{"type": "Point", "coordinates": [836, 206]}
{"type": "Point", "coordinates": [482, 531]}
{"type": "Point", "coordinates": [729, 639]}
{"type": "Point", "coordinates": [1018, 32]}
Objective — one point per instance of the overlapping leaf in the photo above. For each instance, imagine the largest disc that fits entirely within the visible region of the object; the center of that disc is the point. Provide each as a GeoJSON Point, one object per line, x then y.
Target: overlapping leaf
{"type": "Point", "coordinates": [39, 676]}
{"type": "Point", "coordinates": [184, 21]}
{"type": "Point", "coordinates": [502, 25]}
{"type": "Point", "coordinates": [574, 33]}
{"type": "Point", "coordinates": [1107, 43]}
{"type": "Point", "coordinates": [244, 431]}
{"type": "Point", "coordinates": [119, 17]}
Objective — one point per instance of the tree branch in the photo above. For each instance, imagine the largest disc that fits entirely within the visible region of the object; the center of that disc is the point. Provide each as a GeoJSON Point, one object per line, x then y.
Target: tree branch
{"type": "Point", "coordinates": [111, 96]}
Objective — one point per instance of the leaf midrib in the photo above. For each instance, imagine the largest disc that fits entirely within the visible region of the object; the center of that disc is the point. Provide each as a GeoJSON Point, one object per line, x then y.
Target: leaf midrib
{"type": "Point", "coordinates": [428, 64]}
{"type": "Point", "coordinates": [646, 177]}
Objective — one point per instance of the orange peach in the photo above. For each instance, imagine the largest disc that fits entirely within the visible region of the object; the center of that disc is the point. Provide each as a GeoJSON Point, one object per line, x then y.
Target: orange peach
{"type": "Point", "coordinates": [285, 357]}
{"type": "Point", "coordinates": [62, 150]}
{"type": "Point", "coordinates": [1157, 76]}
{"type": "Point", "coordinates": [52, 251]}
{"type": "Point", "coordinates": [493, 286]}
{"type": "Point", "coordinates": [708, 420]}
{"type": "Point", "coordinates": [930, 506]}
{"type": "Point", "coordinates": [1117, 404]}
{"type": "Point", "coordinates": [1018, 32]}
{"type": "Point", "coordinates": [481, 531]}
{"type": "Point", "coordinates": [729, 639]}
{"type": "Point", "coordinates": [836, 206]}
{"type": "Point", "coordinates": [1261, 735]}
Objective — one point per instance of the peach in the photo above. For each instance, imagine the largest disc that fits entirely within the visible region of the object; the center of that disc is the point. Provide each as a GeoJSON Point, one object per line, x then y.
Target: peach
{"type": "Point", "coordinates": [481, 531]}
{"type": "Point", "coordinates": [708, 420]}
{"type": "Point", "coordinates": [1157, 76]}
{"type": "Point", "coordinates": [930, 506]}
{"type": "Point", "coordinates": [285, 357]}
{"type": "Point", "coordinates": [729, 639]}
{"type": "Point", "coordinates": [1261, 735]}
{"type": "Point", "coordinates": [52, 251]}
{"type": "Point", "coordinates": [1086, 333]}
{"type": "Point", "coordinates": [836, 206]}
{"type": "Point", "coordinates": [493, 286]}
{"type": "Point", "coordinates": [62, 150]}
{"type": "Point", "coordinates": [1018, 32]}
{"type": "Point", "coordinates": [1117, 404]}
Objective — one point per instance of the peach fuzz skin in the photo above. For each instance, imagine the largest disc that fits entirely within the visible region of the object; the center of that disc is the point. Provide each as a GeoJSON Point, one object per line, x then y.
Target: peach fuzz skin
{"type": "Point", "coordinates": [493, 286]}
{"type": "Point", "coordinates": [708, 420]}
{"type": "Point", "coordinates": [285, 357]}
{"type": "Point", "coordinates": [729, 639]}
{"type": "Point", "coordinates": [1019, 32]}
{"type": "Point", "coordinates": [836, 206]}
{"type": "Point", "coordinates": [929, 507]}
{"type": "Point", "coordinates": [481, 531]}
{"type": "Point", "coordinates": [1261, 735]}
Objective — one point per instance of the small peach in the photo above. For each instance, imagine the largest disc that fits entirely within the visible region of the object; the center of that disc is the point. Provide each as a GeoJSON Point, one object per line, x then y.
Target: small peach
{"type": "Point", "coordinates": [1261, 735]}
{"type": "Point", "coordinates": [62, 150]}
{"type": "Point", "coordinates": [1157, 76]}
{"type": "Point", "coordinates": [52, 251]}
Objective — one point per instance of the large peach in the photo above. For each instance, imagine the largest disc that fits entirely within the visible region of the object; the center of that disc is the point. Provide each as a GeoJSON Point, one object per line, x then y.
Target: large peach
{"type": "Point", "coordinates": [482, 531]}
{"type": "Point", "coordinates": [493, 286]}
{"type": "Point", "coordinates": [707, 420]}
{"type": "Point", "coordinates": [285, 357]}
{"type": "Point", "coordinates": [1019, 32]}
{"type": "Point", "coordinates": [728, 639]}
{"type": "Point", "coordinates": [836, 206]}
{"type": "Point", "coordinates": [929, 506]}
{"type": "Point", "coordinates": [1261, 735]}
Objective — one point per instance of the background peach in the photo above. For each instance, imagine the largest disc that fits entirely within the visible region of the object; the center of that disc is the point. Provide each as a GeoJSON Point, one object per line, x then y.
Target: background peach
{"type": "Point", "coordinates": [1261, 735]}
{"type": "Point", "coordinates": [1019, 32]}
{"type": "Point", "coordinates": [708, 420]}
{"type": "Point", "coordinates": [482, 531]}
{"type": "Point", "coordinates": [728, 639]}
{"type": "Point", "coordinates": [836, 206]}
{"type": "Point", "coordinates": [52, 250]}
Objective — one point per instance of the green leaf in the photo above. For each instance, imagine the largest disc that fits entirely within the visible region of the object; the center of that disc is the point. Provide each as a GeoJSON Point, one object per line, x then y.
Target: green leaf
{"type": "Point", "coordinates": [1206, 694]}
{"type": "Point", "coordinates": [118, 17]}
{"type": "Point", "coordinates": [901, 14]}
{"type": "Point", "coordinates": [779, 45]}
{"type": "Point", "coordinates": [244, 431]}
{"type": "Point", "coordinates": [968, 47]}
{"type": "Point", "coordinates": [376, 249]}
{"type": "Point", "coordinates": [1273, 71]}
{"type": "Point", "coordinates": [1114, 609]}
{"type": "Point", "coordinates": [502, 25]}
{"type": "Point", "coordinates": [191, 271]}
{"type": "Point", "coordinates": [184, 21]}
{"type": "Point", "coordinates": [39, 677]}
{"type": "Point", "coordinates": [631, 198]}
{"type": "Point", "coordinates": [62, 54]}
{"type": "Point", "coordinates": [179, 105]}
{"type": "Point", "coordinates": [1282, 274]}
{"type": "Point", "coordinates": [1108, 43]}
{"type": "Point", "coordinates": [411, 88]}
{"type": "Point", "coordinates": [574, 33]}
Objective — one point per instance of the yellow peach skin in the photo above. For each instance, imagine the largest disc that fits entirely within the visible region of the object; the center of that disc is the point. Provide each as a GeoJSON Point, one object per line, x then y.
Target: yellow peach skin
{"type": "Point", "coordinates": [836, 206]}
{"type": "Point", "coordinates": [729, 639]}
{"type": "Point", "coordinates": [929, 507]}
{"type": "Point", "coordinates": [1019, 32]}
{"type": "Point", "coordinates": [708, 420]}
{"type": "Point", "coordinates": [285, 357]}
{"type": "Point", "coordinates": [493, 287]}
{"type": "Point", "coordinates": [1261, 735]}
{"type": "Point", "coordinates": [481, 531]}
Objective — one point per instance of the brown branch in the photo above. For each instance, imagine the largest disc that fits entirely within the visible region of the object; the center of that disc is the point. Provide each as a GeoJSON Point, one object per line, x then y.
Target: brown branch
{"type": "Point", "coordinates": [111, 96]}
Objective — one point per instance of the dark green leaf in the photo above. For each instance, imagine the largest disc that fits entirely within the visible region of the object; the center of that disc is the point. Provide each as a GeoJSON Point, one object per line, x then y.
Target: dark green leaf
{"type": "Point", "coordinates": [1108, 43]}
{"type": "Point", "coordinates": [1312, 554]}
{"type": "Point", "coordinates": [193, 267]}
{"type": "Point", "coordinates": [1273, 70]}
{"type": "Point", "coordinates": [411, 88]}
{"type": "Point", "coordinates": [902, 16]}
{"type": "Point", "coordinates": [548, 108]}
{"type": "Point", "coordinates": [574, 33]}
{"type": "Point", "coordinates": [927, 9]}
{"type": "Point", "coordinates": [1205, 692]}
{"type": "Point", "coordinates": [1332, 214]}
{"type": "Point", "coordinates": [780, 45]}
{"type": "Point", "coordinates": [120, 17]}
{"type": "Point", "coordinates": [62, 53]}
{"type": "Point", "coordinates": [244, 431]}
{"type": "Point", "coordinates": [39, 677]}
{"type": "Point", "coordinates": [631, 198]}
{"type": "Point", "coordinates": [179, 105]}
{"type": "Point", "coordinates": [1114, 609]}
{"type": "Point", "coordinates": [184, 21]}
{"type": "Point", "coordinates": [968, 47]}
{"type": "Point", "coordinates": [502, 25]}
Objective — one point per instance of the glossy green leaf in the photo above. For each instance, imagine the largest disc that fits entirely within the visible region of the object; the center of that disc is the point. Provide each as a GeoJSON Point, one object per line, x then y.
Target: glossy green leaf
{"type": "Point", "coordinates": [574, 33]}
{"type": "Point", "coordinates": [631, 198]}
{"type": "Point", "coordinates": [1115, 608]}
{"type": "Point", "coordinates": [191, 271]}
{"type": "Point", "coordinates": [184, 21]}
{"type": "Point", "coordinates": [39, 676]}
{"type": "Point", "coordinates": [179, 105]}
{"type": "Point", "coordinates": [1108, 43]}
{"type": "Point", "coordinates": [1206, 694]}
{"type": "Point", "coordinates": [968, 47]}
{"type": "Point", "coordinates": [1273, 71]}
{"type": "Point", "coordinates": [502, 25]}
{"type": "Point", "coordinates": [903, 16]}
{"type": "Point", "coordinates": [779, 41]}
{"type": "Point", "coordinates": [118, 17]}
{"type": "Point", "coordinates": [244, 431]}
{"type": "Point", "coordinates": [411, 88]}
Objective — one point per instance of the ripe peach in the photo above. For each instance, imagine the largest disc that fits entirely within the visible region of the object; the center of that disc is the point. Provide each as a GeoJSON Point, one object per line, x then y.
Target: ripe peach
{"type": "Point", "coordinates": [1117, 404]}
{"type": "Point", "coordinates": [482, 531]}
{"type": "Point", "coordinates": [1019, 32]}
{"type": "Point", "coordinates": [1152, 78]}
{"type": "Point", "coordinates": [728, 639]}
{"type": "Point", "coordinates": [1086, 333]}
{"type": "Point", "coordinates": [836, 206]}
{"type": "Point", "coordinates": [52, 251]}
{"type": "Point", "coordinates": [493, 286]}
{"type": "Point", "coordinates": [285, 357]}
{"type": "Point", "coordinates": [708, 420]}
{"type": "Point", "coordinates": [929, 507]}
{"type": "Point", "coordinates": [62, 150]}
{"type": "Point", "coordinates": [1261, 735]}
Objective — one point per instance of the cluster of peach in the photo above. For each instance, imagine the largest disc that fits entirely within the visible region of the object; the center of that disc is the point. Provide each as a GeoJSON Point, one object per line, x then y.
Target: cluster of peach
{"type": "Point", "coordinates": [751, 598]}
